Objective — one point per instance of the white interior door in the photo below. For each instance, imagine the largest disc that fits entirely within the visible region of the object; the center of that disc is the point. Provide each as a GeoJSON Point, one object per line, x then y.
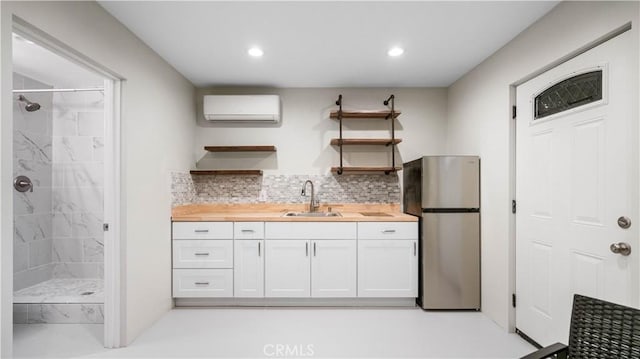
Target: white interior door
{"type": "Point", "coordinates": [576, 174]}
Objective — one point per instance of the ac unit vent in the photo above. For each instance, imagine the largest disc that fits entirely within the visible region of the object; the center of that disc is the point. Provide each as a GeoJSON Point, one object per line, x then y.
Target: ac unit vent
{"type": "Point", "coordinates": [242, 108]}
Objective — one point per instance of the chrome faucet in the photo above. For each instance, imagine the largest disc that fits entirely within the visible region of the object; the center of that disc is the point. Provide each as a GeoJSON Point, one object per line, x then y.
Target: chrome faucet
{"type": "Point", "coordinates": [313, 205]}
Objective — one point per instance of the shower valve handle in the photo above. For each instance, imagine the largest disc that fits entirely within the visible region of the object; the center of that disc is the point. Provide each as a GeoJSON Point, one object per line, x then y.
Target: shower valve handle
{"type": "Point", "coordinates": [23, 184]}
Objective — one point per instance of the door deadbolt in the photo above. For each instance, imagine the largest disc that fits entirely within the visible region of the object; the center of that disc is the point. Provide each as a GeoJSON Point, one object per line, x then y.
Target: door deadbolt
{"type": "Point", "coordinates": [621, 248]}
{"type": "Point", "coordinates": [624, 222]}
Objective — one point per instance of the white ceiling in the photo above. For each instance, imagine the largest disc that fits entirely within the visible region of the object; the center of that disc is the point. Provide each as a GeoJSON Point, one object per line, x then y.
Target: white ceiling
{"type": "Point", "coordinates": [326, 44]}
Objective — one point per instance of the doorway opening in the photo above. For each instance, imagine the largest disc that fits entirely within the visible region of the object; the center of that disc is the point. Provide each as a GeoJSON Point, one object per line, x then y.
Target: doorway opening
{"type": "Point", "coordinates": [65, 181]}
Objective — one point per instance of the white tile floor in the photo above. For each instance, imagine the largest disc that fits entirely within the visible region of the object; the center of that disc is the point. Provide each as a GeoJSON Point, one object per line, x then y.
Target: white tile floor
{"type": "Point", "coordinates": [308, 332]}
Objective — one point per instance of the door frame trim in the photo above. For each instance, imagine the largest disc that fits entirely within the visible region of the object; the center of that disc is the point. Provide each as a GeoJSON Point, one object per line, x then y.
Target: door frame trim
{"type": "Point", "coordinates": [114, 238]}
{"type": "Point", "coordinates": [511, 316]}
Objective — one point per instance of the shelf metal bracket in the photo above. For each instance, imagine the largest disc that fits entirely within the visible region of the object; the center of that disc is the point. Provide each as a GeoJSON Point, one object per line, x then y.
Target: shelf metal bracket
{"type": "Point", "coordinates": [392, 116]}
{"type": "Point", "coordinates": [339, 103]}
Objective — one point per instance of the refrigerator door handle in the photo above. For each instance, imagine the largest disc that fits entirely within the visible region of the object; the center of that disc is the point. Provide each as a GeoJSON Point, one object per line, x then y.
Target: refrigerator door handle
{"type": "Point", "coordinates": [415, 249]}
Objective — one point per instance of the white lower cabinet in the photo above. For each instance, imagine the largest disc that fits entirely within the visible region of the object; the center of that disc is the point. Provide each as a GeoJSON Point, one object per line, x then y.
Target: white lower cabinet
{"type": "Point", "coordinates": [248, 270]}
{"type": "Point", "coordinates": [197, 283]}
{"type": "Point", "coordinates": [295, 260]}
{"type": "Point", "coordinates": [287, 269]}
{"type": "Point", "coordinates": [333, 268]}
{"type": "Point", "coordinates": [316, 268]}
{"type": "Point", "coordinates": [202, 253]}
{"type": "Point", "coordinates": [388, 268]}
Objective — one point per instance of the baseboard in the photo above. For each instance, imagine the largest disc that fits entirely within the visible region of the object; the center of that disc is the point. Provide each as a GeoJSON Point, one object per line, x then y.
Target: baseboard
{"type": "Point", "coordinates": [295, 302]}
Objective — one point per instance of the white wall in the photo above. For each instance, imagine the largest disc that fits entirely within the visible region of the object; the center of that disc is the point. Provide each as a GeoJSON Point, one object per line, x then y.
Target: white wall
{"type": "Point", "coordinates": [302, 138]}
{"type": "Point", "coordinates": [157, 133]}
{"type": "Point", "coordinates": [6, 191]}
{"type": "Point", "coordinates": [479, 121]}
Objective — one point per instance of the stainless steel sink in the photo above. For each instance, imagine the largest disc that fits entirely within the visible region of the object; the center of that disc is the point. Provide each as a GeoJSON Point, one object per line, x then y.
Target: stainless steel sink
{"type": "Point", "coordinates": [312, 214]}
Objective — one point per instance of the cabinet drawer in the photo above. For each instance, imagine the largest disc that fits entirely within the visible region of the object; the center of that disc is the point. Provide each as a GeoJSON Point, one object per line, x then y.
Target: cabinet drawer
{"type": "Point", "coordinates": [190, 253]}
{"type": "Point", "coordinates": [202, 230]}
{"type": "Point", "coordinates": [310, 230]}
{"type": "Point", "coordinates": [194, 283]}
{"type": "Point", "coordinates": [388, 230]}
{"type": "Point", "coordinates": [248, 230]}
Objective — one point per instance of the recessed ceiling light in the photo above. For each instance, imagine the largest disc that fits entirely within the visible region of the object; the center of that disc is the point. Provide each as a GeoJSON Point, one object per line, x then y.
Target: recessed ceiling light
{"type": "Point", "coordinates": [255, 52]}
{"type": "Point", "coordinates": [395, 51]}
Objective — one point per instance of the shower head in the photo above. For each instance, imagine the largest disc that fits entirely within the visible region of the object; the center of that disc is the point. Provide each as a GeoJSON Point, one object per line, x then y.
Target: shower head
{"type": "Point", "coordinates": [30, 106]}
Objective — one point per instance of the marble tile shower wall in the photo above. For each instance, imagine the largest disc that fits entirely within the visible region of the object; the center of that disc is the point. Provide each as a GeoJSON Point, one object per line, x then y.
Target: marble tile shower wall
{"type": "Point", "coordinates": [32, 157]}
{"type": "Point", "coordinates": [283, 188]}
{"type": "Point", "coordinates": [77, 195]}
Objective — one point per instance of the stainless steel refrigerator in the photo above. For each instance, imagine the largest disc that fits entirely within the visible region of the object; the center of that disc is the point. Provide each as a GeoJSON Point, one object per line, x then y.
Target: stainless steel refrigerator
{"type": "Point", "coordinates": [444, 191]}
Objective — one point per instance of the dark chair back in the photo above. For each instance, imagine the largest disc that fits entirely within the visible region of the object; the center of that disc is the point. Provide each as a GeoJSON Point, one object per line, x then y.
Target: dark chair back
{"type": "Point", "coordinates": [603, 330]}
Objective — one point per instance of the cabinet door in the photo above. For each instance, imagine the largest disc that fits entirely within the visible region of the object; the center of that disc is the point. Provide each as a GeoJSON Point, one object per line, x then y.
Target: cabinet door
{"type": "Point", "coordinates": [248, 268]}
{"type": "Point", "coordinates": [333, 268]}
{"type": "Point", "coordinates": [388, 268]}
{"type": "Point", "coordinates": [287, 268]}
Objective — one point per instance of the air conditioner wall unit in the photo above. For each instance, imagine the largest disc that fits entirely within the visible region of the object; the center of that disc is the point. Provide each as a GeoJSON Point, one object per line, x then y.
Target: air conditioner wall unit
{"type": "Point", "coordinates": [242, 108]}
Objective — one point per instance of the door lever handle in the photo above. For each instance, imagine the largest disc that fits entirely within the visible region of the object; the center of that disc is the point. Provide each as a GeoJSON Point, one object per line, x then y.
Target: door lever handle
{"type": "Point", "coordinates": [23, 184]}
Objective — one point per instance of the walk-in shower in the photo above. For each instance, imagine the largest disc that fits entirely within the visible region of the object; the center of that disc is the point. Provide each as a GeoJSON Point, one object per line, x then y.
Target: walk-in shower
{"type": "Point", "coordinates": [58, 143]}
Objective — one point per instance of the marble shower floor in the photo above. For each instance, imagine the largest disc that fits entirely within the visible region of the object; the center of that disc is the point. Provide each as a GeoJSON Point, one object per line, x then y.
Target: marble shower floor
{"type": "Point", "coordinates": [56, 291]}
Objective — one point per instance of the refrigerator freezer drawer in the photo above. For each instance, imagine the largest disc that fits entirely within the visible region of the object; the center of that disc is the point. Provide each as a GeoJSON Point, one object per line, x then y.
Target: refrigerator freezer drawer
{"type": "Point", "coordinates": [450, 182]}
{"type": "Point", "coordinates": [450, 273]}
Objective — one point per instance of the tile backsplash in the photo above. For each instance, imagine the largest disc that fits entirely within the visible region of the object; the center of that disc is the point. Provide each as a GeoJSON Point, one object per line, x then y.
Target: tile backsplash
{"type": "Point", "coordinates": [373, 188]}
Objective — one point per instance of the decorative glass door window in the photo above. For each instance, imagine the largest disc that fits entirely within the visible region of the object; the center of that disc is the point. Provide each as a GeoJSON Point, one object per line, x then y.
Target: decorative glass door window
{"type": "Point", "coordinates": [573, 92]}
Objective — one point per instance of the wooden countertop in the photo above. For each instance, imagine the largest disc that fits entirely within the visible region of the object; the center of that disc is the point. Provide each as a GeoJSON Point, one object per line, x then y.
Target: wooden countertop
{"type": "Point", "coordinates": [274, 213]}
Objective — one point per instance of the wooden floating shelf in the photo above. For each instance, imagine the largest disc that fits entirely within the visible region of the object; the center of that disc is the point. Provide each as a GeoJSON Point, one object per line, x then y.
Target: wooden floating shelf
{"type": "Point", "coordinates": [366, 169]}
{"type": "Point", "coordinates": [365, 141]}
{"type": "Point", "coordinates": [240, 148]}
{"type": "Point", "coordinates": [364, 114]}
{"type": "Point", "coordinates": [226, 172]}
